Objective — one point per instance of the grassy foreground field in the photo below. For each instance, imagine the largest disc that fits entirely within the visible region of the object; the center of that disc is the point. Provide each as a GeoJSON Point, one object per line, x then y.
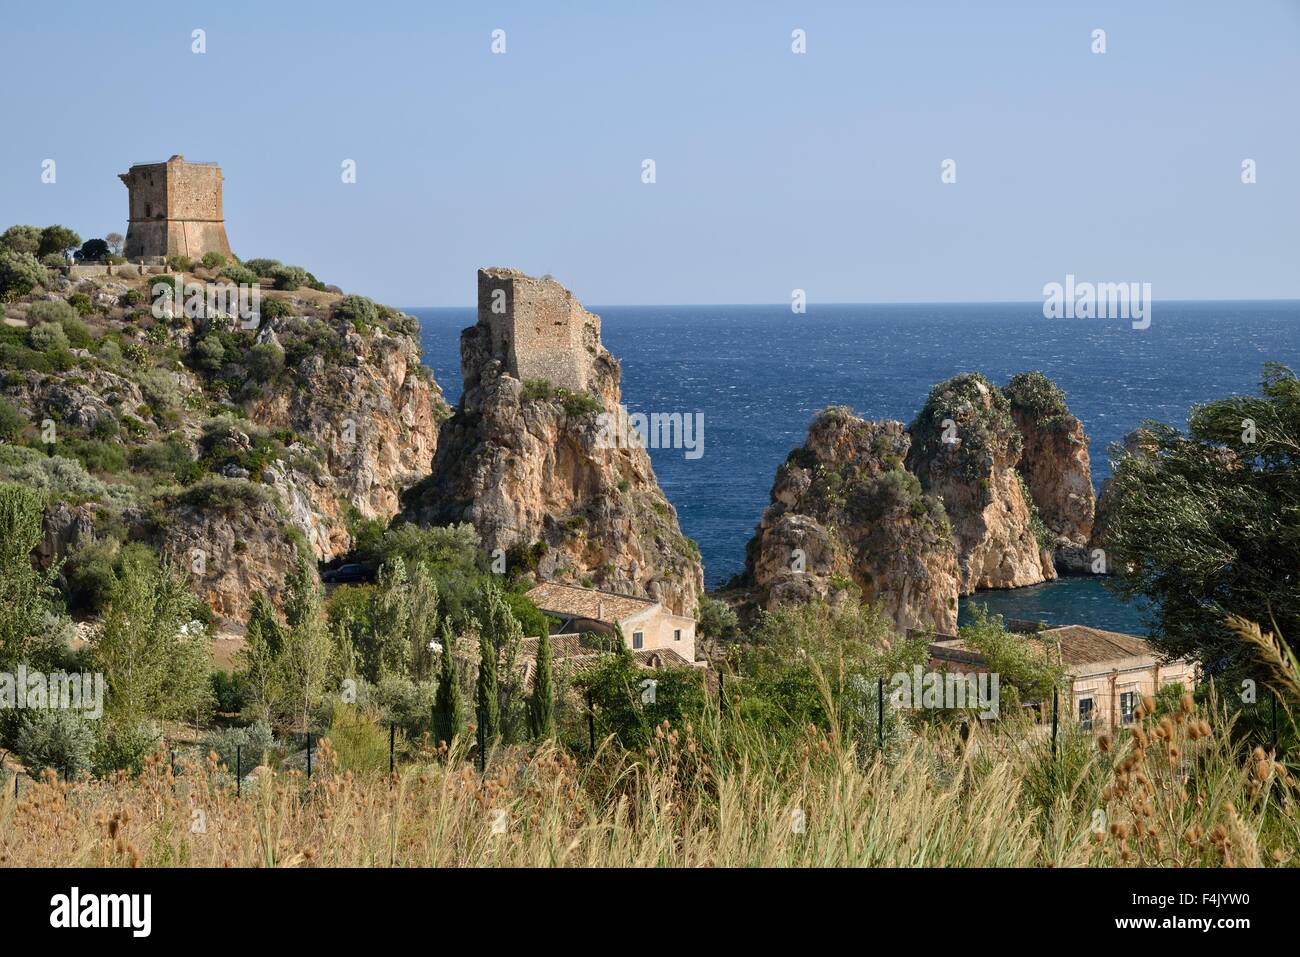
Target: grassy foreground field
{"type": "Point", "coordinates": [1172, 791]}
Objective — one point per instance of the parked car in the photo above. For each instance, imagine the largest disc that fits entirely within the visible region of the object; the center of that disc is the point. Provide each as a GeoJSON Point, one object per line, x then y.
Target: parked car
{"type": "Point", "coordinates": [346, 574]}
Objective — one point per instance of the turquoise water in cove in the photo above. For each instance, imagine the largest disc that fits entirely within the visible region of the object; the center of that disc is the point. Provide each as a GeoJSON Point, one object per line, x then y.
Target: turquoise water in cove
{"type": "Point", "coordinates": [758, 373]}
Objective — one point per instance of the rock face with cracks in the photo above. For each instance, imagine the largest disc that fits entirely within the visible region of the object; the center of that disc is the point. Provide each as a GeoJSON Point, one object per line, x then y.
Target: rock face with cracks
{"type": "Point", "coordinates": [848, 522]}
{"type": "Point", "coordinates": [1055, 466]}
{"type": "Point", "coordinates": [540, 469]}
{"type": "Point", "coordinates": [965, 450]}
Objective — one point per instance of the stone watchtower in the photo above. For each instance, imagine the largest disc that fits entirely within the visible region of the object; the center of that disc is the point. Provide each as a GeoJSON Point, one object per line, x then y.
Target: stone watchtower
{"type": "Point", "coordinates": [175, 209]}
{"type": "Point", "coordinates": [538, 328]}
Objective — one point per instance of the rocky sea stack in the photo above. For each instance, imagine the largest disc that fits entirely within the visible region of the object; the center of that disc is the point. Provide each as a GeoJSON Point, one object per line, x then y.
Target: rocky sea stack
{"type": "Point", "coordinates": [1055, 465]}
{"type": "Point", "coordinates": [966, 449]}
{"type": "Point", "coordinates": [848, 521]}
{"type": "Point", "coordinates": [526, 457]}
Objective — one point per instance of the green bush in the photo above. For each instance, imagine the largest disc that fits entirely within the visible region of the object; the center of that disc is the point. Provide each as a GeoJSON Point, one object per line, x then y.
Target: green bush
{"type": "Point", "coordinates": [254, 742]}
{"type": "Point", "coordinates": [89, 574]}
{"type": "Point", "coordinates": [538, 390]}
{"type": "Point", "coordinates": [1040, 397]}
{"type": "Point", "coordinates": [262, 267]}
{"type": "Point", "coordinates": [12, 422]}
{"type": "Point", "coordinates": [239, 274]}
{"type": "Point", "coordinates": [359, 740]}
{"type": "Point", "coordinates": [222, 494]}
{"type": "Point", "coordinates": [125, 745]}
{"type": "Point", "coordinates": [577, 404]}
{"type": "Point", "coordinates": [159, 389]}
{"type": "Point", "coordinates": [265, 362]}
{"type": "Point", "coordinates": [56, 311]}
{"type": "Point", "coordinates": [48, 337]}
{"type": "Point", "coordinates": [20, 273]}
{"type": "Point", "coordinates": [78, 333]}
{"type": "Point", "coordinates": [56, 738]}
{"type": "Point", "coordinates": [95, 455]}
{"type": "Point", "coordinates": [357, 310]}
{"type": "Point", "coordinates": [213, 260]}
{"type": "Point", "coordinates": [276, 309]}
{"type": "Point", "coordinates": [81, 303]}
{"type": "Point", "coordinates": [21, 239]}
{"type": "Point", "coordinates": [179, 263]}
{"type": "Point", "coordinates": [716, 619]}
{"type": "Point", "coordinates": [230, 691]}
{"type": "Point", "coordinates": [289, 278]}
{"type": "Point", "coordinates": [209, 355]}
{"type": "Point", "coordinates": [171, 456]}
{"type": "Point", "coordinates": [132, 298]}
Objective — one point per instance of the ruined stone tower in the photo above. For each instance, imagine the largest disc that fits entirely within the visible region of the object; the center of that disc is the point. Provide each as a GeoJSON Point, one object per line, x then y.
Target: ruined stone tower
{"type": "Point", "coordinates": [175, 209]}
{"type": "Point", "coordinates": [538, 328]}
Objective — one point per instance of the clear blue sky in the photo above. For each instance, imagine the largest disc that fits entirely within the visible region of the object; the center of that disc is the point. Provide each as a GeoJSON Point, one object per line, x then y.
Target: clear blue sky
{"type": "Point", "coordinates": [775, 171]}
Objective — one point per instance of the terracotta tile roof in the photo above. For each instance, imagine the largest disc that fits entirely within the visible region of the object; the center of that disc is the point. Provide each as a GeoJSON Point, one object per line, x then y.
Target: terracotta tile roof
{"type": "Point", "coordinates": [1081, 645]}
{"type": "Point", "coordinates": [562, 646]}
{"type": "Point", "coordinates": [571, 601]}
{"type": "Point", "coordinates": [660, 658]}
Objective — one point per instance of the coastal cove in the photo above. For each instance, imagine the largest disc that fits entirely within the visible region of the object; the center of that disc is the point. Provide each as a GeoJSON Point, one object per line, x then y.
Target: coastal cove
{"type": "Point", "coordinates": [758, 373]}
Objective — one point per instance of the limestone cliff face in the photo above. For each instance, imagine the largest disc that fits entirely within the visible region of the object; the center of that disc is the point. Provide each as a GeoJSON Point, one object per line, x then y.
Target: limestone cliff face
{"type": "Point", "coordinates": [230, 541]}
{"type": "Point", "coordinates": [534, 468]}
{"type": "Point", "coordinates": [965, 450]}
{"type": "Point", "coordinates": [846, 513]}
{"type": "Point", "coordinates": [196, 433]}
{"type": "Point", "coordinates": [1055, 466]}
{"type": "Point", "coordinates": [372, 422]}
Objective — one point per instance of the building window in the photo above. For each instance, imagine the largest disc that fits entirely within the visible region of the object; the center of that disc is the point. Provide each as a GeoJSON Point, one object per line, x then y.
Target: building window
{"type": "Point", "coordinates": [1085, 713]}
{"type": "Point", "coordinates": [638, 639]}
{"type": "Point", "coordinates": [1127, 706]}
{"type": "Point", "coordinates": [677, 634]}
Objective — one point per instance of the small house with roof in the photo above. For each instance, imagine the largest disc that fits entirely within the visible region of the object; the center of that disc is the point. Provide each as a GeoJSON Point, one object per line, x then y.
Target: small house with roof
{"type": "Point", "coordinates": [654, 635]}
{"type": "Point", "coordinates": [1108, 671]}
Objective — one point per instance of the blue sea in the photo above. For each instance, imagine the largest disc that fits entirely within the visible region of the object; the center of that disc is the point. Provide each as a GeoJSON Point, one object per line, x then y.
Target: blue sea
{"type": "Point", "coordinates": [758, 373]}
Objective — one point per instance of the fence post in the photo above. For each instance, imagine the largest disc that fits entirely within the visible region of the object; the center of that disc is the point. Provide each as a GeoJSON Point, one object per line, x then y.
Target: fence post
{"type": "Point", "coordinates": [1055, 694]}
{"type": "Point", "coordinates": [173, 757]}
{"type": "Point", "coordinates": [392, 747]}
{"type": "Point", "coordinates": [239, 770]}
{"type": "Point", "coordinates": [309, 755]}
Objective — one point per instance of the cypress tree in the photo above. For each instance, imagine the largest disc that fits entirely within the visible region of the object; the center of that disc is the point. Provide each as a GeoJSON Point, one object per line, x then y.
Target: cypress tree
{"type": "Point", "coordinates": [487, 704]}
{"type": "Point", "coordinates": [450, 722]}
{"type": "Point", "coordinates": [541, 706]}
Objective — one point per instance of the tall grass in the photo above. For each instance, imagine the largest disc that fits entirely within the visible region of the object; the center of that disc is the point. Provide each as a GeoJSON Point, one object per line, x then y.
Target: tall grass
{"type": "Point", "coordinates": [716, 792]}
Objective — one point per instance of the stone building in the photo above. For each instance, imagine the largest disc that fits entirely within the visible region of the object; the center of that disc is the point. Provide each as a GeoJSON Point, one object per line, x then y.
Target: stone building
{"type": "Point", "coordinates": [540, 327]}
{"type": "Point", "coordinates": [649, 629]}
{"type": "Point", "coordinates": [1108, 672]}
{"type": "Point", "coordinates": [175, 210]}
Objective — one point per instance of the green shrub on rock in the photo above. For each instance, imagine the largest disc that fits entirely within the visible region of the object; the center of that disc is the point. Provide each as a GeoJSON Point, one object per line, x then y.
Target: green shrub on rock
{"type": "Point", "coordinates": [358, 310]}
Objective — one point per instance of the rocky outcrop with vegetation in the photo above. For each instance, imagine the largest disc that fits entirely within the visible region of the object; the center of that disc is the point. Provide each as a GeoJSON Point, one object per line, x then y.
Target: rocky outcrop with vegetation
{"type": "Point", "coordinates": [849, 522]}
{"type": "Point", "coordinates": [531, 467]}
{"type": "Point", "coordinates": [965, 450]}
{"type": "Point", "coordinates": [219, 439]}
{"type": "Point", "coordinates": [1055, 465]}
